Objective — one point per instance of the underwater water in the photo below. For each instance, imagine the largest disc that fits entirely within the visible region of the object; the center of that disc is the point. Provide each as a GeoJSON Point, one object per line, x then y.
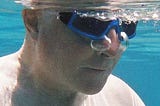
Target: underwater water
{"type": "Point", "coordinates": [139, 65]}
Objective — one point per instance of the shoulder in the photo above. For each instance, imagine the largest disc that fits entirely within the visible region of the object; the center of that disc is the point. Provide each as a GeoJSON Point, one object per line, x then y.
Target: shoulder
{"type": "Point", "coordinates": [119, 93]}
{"type": "Point", "coordinates": [8, 78]}
{"type": "Point", "coordinates": [9, 64]}
{"type": "Point", "coordinates": [8, 59]}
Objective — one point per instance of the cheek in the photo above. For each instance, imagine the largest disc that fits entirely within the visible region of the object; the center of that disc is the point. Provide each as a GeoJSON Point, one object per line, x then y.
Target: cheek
{"type": "Point", "coordinates": [71, 46]}
{"type": "Point", "coordinates": [64, 51]}
{"type": "Point", "coordinates": [72, 54]}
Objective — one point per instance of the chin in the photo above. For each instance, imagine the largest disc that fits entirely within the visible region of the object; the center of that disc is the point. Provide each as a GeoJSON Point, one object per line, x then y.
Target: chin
{"type": "Point", "coordinates": [91, 91]}
{"type": "Point", "coordinates": [88, 81]}
{"type": "Point", "coordinates": [91, 88]}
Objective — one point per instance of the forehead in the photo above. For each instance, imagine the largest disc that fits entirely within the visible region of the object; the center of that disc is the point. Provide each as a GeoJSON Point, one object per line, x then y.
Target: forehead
{"type": "Point", "coordinates": [64, 3]}
{"type": "Point", "coordinates": [68, 0]}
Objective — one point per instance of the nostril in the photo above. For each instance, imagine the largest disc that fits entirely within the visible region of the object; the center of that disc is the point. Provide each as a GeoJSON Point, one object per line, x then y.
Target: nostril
{"type": "Point", "coordinates": [105, 54]}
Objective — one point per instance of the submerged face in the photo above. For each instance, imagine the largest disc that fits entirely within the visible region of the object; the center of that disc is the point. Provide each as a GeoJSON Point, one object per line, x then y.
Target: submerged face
{"type": "Point", "coordinates": [67, 58]}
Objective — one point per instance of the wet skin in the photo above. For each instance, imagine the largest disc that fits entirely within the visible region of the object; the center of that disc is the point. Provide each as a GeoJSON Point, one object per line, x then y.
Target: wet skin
{"type": "Point", "coordinates": [68, 57]}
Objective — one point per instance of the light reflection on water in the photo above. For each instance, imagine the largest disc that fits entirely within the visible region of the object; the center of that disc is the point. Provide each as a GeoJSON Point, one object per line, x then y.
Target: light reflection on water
{"type": "Point", "coordinates": [139, 9]}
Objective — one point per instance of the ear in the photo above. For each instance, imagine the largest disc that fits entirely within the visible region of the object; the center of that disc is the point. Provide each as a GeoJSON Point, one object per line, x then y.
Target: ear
{"type": "Point", "coordinates": [30, 18]}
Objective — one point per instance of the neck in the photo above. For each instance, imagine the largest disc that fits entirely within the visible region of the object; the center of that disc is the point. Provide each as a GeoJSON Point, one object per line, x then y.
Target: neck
{"type": "Point", "coordinates": [61, 98]}
{"type": "Point", "coordinates": [31, 93]}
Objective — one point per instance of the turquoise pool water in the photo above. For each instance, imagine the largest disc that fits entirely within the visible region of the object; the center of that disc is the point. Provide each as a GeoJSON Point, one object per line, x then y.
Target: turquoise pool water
{"type": "Point", "coordinates": [139, 66]}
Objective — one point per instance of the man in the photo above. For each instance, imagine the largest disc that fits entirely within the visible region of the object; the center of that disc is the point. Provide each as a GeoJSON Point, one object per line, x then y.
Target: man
{"type": "Point", "coordinates": [65, 62]}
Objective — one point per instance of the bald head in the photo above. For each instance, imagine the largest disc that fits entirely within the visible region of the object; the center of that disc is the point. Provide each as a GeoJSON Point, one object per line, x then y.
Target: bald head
{"type": "Point", "coordinates": [64, 3]}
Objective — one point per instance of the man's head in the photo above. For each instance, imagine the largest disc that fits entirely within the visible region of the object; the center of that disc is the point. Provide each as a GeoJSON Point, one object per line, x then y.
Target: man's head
{"type": "Point", "coordinates": [64, 58]}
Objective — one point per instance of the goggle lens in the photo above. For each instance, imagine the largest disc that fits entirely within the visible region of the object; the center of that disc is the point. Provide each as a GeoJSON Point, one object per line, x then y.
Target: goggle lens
{"type": "Point", "coordinates": [90, 25]}
{"type": "Point", "coordinates": [94, 28]}
{"type": "Point", "coordinates": [129, 28]}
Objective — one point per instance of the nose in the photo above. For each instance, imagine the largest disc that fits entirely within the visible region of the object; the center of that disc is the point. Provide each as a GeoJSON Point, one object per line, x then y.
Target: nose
{"type": "Point", "coordinates": [108, 46]}
{"type": "Point", "coordinates": [115, 43]}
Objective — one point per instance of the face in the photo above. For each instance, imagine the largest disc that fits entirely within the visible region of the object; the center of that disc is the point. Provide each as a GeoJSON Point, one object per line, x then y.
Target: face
{"type": "Point", "coordinates": [68, 59]}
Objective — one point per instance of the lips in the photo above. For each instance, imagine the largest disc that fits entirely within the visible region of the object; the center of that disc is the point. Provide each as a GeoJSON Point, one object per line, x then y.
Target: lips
{"type": "Point", "coordinates": [105, 65]}
{"type": "Point", "coordinates": [92, 68]}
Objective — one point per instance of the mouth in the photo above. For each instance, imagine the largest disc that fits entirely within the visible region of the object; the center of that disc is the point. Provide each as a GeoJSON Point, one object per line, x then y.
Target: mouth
{"type": "Point", "coordinates": [92, 68]}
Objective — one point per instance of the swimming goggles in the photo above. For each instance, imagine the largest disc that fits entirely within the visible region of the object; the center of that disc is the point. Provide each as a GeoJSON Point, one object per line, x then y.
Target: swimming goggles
{"type": "Point", "coordinates": [96, 29]}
